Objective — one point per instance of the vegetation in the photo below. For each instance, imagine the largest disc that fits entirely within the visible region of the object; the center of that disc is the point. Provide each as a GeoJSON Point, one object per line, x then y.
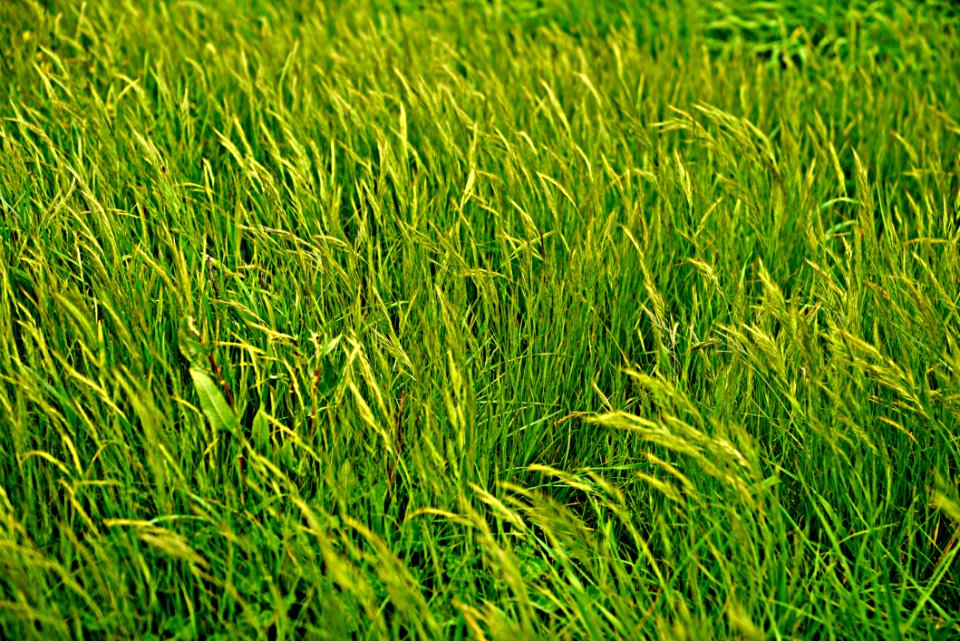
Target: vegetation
{"type": "Point", "coordinates": [479, 320]}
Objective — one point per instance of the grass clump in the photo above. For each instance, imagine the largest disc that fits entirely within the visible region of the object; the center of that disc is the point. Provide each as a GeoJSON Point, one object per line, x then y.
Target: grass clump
{"type": "Point", "coordinates": [431, 320]}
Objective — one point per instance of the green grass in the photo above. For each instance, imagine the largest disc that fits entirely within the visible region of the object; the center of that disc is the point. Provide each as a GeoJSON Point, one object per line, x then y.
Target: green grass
{"type": "Point", "coordinates": [479, 320]}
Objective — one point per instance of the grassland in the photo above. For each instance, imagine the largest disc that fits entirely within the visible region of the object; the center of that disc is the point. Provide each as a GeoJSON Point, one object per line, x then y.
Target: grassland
{"type": "Point", "coordinates": [479, 320]}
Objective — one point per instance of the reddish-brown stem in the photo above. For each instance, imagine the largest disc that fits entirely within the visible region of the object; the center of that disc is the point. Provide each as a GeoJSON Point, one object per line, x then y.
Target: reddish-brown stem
{"type": "Point", "coordinates": [223, 383]}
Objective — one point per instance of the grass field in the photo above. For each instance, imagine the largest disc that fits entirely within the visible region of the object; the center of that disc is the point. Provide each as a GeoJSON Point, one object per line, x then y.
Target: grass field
{"type": "Point", "coordinates": [479, 320]}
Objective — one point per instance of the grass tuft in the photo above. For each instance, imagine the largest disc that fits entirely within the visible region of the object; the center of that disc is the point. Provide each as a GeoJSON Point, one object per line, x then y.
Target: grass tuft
{"type": "Point", "coordinates": [488, 320]}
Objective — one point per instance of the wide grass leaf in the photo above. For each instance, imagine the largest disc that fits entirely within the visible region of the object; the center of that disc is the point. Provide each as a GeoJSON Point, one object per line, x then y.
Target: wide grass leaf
{"type": "Point", "coordinates": [212, 402]}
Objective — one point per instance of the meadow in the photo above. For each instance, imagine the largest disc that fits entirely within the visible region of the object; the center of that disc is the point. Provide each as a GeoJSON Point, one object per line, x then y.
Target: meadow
{"type": "Point", "coordinates": [478, 319]}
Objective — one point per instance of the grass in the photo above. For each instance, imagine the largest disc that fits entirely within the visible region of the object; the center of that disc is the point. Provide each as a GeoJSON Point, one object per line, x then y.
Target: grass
{"type": "Point", "coordinates": [479, 320]}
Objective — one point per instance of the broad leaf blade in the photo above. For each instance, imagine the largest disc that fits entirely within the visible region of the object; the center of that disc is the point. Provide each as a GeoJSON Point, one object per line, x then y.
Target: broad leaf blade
{"type": "Point", "coordinates": [212, 402]}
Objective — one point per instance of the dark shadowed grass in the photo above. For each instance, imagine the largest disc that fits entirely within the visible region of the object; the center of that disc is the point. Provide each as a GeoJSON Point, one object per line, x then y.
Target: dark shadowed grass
{"type": "Point", "coordinates": [479, 320]}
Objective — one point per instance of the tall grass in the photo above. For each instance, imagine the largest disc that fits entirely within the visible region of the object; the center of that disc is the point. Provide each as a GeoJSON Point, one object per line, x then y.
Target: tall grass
{"type": "Point", "coordinates": [487, 320]}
